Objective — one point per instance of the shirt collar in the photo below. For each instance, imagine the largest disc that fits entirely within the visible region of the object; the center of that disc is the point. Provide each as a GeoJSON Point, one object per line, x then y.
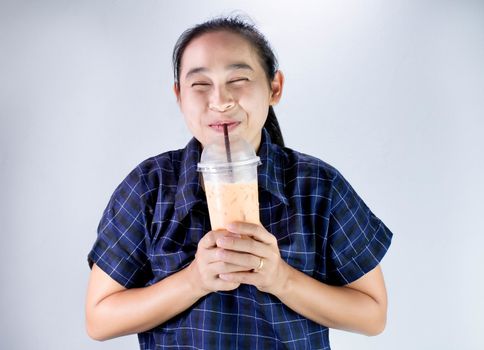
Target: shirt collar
{"type": "Point", "coordinates": [271, 171]}
{"type": "Point", "coordinates": [189, 189]}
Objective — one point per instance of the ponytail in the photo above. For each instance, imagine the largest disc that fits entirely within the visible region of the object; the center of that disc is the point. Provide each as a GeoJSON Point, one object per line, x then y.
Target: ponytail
{"type": "Point", "coordinates": [273, 128]}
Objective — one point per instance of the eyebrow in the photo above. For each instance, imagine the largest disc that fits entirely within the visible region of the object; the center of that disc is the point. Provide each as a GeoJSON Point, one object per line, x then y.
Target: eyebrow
{"type": "Point", "coordinates": [233, 66]}
{"type": "Point", "coordinates": [239, 66]}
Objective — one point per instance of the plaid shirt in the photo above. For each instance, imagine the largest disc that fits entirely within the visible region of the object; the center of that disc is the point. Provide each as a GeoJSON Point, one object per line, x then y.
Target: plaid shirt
{"type": "Point", "coordinates": [157, 215]}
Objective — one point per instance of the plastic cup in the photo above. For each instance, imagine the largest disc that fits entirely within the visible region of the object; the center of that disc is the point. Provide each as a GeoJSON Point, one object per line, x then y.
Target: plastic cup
{"type": "Point", "coordinates": [230, 187]}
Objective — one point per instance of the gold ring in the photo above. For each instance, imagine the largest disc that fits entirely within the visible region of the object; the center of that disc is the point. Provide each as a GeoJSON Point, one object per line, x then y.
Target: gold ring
{"type": "Point", "coordinates": [261, 265]}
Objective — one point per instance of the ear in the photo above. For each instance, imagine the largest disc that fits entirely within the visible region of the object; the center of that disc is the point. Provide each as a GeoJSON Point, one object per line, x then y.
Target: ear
{"type": "Point", "coordinates": [176, 90]}
{"type": "Point", "coordinates": [277, 85]}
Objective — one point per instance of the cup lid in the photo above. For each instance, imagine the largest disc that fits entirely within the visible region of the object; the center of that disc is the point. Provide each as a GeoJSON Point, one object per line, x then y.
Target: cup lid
{"type": "Point", "coordinates": [214, 155]}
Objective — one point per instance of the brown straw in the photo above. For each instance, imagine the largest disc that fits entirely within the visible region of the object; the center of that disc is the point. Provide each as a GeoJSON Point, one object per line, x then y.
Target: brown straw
{"type": "Point", "coordinates": [227, 144]}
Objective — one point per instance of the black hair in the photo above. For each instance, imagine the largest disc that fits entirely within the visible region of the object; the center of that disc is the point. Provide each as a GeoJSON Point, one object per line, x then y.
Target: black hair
{"type": "Point", "coordinates": [237, 25]}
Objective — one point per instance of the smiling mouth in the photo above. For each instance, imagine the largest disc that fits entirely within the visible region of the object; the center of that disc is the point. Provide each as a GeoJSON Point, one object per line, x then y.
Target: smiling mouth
{"type": "Point", "coordinates": [219, 127]}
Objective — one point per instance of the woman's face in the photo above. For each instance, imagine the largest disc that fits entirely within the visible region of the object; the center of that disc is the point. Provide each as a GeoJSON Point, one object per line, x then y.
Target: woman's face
{"type": "Point", "coordinates": [221, 81]}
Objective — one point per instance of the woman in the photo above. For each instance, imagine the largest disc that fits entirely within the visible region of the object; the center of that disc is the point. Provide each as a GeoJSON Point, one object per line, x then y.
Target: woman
{"type": "Point", "coordinates": [157, 268]}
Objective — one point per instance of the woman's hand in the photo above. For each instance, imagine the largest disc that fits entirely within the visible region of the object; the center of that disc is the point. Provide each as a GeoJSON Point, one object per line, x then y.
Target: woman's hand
{"type": "Point", "coordinates": [207, 266]}
{"type": "Point", "coordinates": [255, 249]}
{"type": "Point", "coordinates": [359, 306]}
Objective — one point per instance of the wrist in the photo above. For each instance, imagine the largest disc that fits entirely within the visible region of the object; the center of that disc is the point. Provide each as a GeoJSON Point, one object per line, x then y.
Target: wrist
{"type": "Point", "coordinates": [194, 283]}
{"type": "Point", "coordinates": [286, 278]}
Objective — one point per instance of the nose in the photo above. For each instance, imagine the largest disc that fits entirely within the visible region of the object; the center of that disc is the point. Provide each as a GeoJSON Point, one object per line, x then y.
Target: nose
{"type": "Point", "coordinates": [221, 100]}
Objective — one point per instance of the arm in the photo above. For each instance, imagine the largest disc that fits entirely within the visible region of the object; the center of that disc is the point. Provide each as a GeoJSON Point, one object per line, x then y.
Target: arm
{"type": "Point", "coordinates": [359, 306]}
{"type": "Point", "coordinates": [112, 310]}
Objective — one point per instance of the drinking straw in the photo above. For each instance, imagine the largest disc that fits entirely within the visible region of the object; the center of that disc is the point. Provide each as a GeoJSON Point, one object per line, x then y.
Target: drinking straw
{"type": "Point", "coordinates": [227, 144]}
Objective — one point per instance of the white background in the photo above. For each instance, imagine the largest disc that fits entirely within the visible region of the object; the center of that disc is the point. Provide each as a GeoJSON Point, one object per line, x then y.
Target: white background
{"type": "Point", "coordinates": [389, 92]}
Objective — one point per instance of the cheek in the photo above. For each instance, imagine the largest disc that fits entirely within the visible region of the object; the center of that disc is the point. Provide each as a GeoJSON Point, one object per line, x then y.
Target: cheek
{"type": "Point", "coordinates": [257, 102]}
{"type": "Point", "coordinates": [191, 113]}
{"type": "Point", "coordinates": [192, 105]}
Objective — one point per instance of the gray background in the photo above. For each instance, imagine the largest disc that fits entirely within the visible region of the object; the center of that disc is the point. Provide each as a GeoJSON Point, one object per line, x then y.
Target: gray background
{"type": "Point", "coordinates": [389, 92]}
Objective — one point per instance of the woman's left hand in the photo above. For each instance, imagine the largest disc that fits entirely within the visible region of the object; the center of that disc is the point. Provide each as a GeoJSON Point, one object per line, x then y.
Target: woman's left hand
{"type": "Point", "coordinates": [257, 249]}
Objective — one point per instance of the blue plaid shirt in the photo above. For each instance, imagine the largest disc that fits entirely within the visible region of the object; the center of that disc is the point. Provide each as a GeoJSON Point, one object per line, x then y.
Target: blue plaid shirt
{"type": "Point", "coordinates": [157, 215]}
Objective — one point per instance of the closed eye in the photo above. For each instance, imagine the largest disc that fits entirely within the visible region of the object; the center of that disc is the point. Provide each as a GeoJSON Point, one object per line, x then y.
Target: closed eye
{"type": "Point", "coordinates": [200, 83]}
{"type": "Point", "coordinates": [238, 80]}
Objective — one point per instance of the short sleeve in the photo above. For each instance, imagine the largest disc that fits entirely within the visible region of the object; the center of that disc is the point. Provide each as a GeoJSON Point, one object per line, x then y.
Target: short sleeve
{"type": "Point", "coordinates": [120, 249]}
{"type": "Point", "coordinates": [357, 239]}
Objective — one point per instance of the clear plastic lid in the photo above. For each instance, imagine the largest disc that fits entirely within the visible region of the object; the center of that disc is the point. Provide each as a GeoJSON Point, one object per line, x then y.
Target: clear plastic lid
{"type": "Point", "coordinates": [215, 158]}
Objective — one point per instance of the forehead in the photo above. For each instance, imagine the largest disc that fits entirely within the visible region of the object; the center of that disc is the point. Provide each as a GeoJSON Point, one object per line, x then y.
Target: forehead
{"type": "Point", "coordinates": [222, 48]}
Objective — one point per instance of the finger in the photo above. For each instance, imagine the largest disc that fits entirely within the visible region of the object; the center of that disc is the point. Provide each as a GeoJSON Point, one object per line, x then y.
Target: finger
{"type": "Point", "coordinates": [248, 261]}
{"type": "Point", "coordinates": [208, 256]}
{"type": "Point", "coordinates": [256, 231]}
{"type": "Point", "coordinates": [220, 284]}
{"type": "Point", "coordinates": [241, 277]}
{"type": "Point", "coordinates": [214, 255]}
{"type": "Point", "coordinates": [221, 267]}
{"type": "Point", "coordinates": [210, 238]}
{"type": "Point", "coordinates": [247, 245]}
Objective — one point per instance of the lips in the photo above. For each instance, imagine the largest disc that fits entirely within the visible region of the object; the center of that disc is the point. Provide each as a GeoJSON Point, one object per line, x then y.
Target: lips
{"type": "Point", "coordinates": [219, 126]}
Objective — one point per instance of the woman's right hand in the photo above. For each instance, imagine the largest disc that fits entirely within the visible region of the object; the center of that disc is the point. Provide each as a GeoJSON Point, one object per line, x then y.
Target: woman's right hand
{"type": "Point", "coordinates": [207, 266]}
